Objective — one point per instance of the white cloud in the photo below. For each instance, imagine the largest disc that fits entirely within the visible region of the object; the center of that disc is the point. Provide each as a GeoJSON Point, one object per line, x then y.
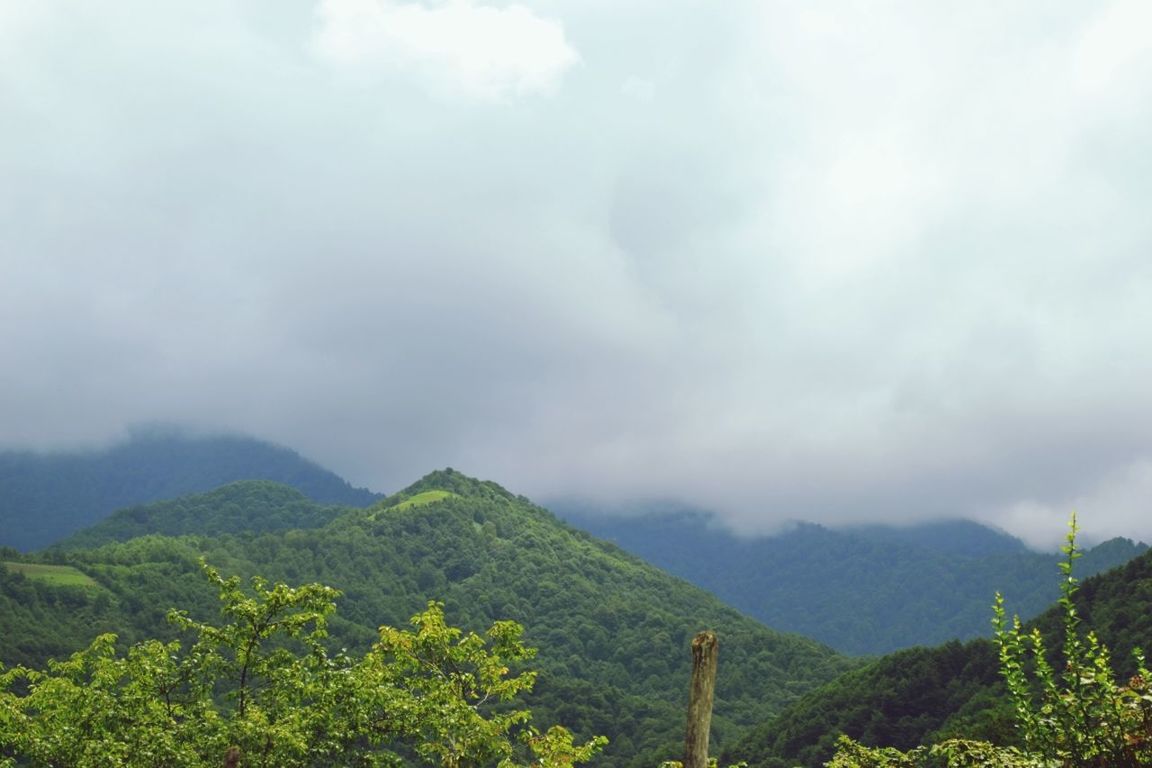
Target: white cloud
{"type": "Point", "coordinates": [483, 51]}
{"type": "Point", "coordinates": [1114, 54]}
{"type": "Point", "coordinates": [789, 260]}
{"type": "Point", "coordinates": [1119, 503]}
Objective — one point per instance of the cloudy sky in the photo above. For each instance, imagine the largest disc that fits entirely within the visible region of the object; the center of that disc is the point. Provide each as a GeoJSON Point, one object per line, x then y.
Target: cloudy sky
{"type": "Point", "coordinates": [788, 260]}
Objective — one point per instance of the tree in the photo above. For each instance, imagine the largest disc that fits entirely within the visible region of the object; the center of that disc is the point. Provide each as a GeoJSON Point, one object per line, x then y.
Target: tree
{"type": "Point", "coordinates": [262, 689]}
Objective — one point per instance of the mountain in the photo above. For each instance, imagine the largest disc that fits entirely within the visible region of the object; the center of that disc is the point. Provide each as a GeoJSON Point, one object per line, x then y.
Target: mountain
{"type": "Point", "coordinates": [917, 695]}
{"type": "Point", "coordinates": [613, 631]}
{"type": "Point", "coordinates": [254, 506]}
{"type": "Point", "coordinates": [46, 496]}
{"type": "Point", "coordinates": [864, 590]}
{"type": "Point", "coordinates": [963, 538]}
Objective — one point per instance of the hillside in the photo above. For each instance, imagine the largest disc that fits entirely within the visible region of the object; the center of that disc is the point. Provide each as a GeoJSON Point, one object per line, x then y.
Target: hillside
{"type": "Point", "coordinates": [912, 696]}
{"type": "Point", "coordinates": [866, 590]}
{"type": "Point", "coordinates": [47, 496]}
{"type": "Point", "coordinates": [253, 506]}
{"type": "Point", "coordinates": [613, 632]}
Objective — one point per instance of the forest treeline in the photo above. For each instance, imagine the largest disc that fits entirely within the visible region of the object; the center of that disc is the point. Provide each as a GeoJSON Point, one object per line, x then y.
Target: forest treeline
{"type": "Point", "coordinates": [612, 630]}
{"type": "Point", "coordinates": [925, 695]}
{"type": "Point", "coordinates": [864, 590]}
{"type": "Point", "coordinates": [46, 496]}
{"type": "Point", "coordinates": [1070, 706]}
{"type": "Point", "coordinates": [260, 687]}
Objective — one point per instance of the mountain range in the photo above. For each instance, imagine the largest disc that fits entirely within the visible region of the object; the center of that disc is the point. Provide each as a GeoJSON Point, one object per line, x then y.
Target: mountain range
{"type": "Point", "coordinates": [863, 590]}
{"type": "Point", "coordinates": [46, 496]}
{"type": "Point", "coordinates": [921, 695]}
{"type": "Point", "coordinates": [613, 631]}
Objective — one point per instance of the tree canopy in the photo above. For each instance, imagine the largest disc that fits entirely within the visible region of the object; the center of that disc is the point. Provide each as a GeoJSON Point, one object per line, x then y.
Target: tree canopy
{"type": "Point", "coordinates": [261, 688]}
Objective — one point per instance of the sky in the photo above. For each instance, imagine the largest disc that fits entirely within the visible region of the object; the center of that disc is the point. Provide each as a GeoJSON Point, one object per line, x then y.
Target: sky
{"type": "Point", "coordinates": [837, 262]}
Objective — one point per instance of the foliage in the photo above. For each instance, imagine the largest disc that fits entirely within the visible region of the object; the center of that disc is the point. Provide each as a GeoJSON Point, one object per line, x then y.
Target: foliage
{"type": "Point", "coordinates": [895, 701]}
{"type": "Point", "coordinates": [1079, 716]}
{"type": "Point", "coordinates": [261, 687]}
{"type": "Point", "coordinates": [953, 753]}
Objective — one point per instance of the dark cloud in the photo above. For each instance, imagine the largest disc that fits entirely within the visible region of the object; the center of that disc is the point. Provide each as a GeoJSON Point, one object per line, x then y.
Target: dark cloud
{"type": "Point", "coordinates": [784, 261]}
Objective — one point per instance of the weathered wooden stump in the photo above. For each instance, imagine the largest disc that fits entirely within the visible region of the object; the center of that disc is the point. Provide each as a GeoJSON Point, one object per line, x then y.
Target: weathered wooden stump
{"type": "Point", "coordinates": [705, 649]}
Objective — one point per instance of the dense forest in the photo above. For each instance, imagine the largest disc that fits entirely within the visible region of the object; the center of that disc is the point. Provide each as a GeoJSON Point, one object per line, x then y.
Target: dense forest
{"type": "Point", "coordinates": [252, 506]}
{"type": "Point", "coordinates": [260, 688]}
{"type": "Point", "coordinates": [864, 590]}
{"type": "Point", "coordinates": [612, 631]}
{"type": "Point", "coordinates": [922, 695]}
{"type": "Point", "coordinates": [46, 496]}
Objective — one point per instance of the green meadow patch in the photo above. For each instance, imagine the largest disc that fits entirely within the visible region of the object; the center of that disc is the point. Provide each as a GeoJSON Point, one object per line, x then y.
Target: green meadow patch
{"type": "Point", "coordinates": [56, 575]}
{"type": "Point", "coordinates": [420, 499]}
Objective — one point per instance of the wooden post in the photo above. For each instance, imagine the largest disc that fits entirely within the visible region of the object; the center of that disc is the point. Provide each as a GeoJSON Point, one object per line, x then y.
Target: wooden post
{"type": "Point", "coordinates": [704, 660]}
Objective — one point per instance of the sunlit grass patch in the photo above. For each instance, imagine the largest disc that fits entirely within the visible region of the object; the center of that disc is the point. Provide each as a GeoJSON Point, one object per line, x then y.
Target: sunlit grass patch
{"type": "Point", "coordinates": [56, 575]}
{"type": "Point", "coordinates": [420, 499]}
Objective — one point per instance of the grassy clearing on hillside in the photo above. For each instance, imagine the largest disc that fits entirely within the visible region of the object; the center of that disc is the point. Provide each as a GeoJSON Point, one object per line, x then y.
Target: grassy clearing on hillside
{"type": "Point", "coordinates": [420, 499]}
{"type": "Point", "coordinates": [56, 575]}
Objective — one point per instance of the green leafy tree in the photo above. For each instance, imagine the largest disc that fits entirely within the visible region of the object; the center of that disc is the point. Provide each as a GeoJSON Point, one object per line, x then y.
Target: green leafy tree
{"type": "Point", "coordinates": [261, 689]}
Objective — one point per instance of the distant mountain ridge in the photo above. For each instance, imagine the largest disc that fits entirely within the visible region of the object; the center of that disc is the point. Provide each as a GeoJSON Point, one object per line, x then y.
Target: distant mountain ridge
{"type": "Point", "coordinates": [46, 496]}
{"type": "Point", "coordinates": [864, 590]}
{"type": "Point", "coordinates": [964, 538]}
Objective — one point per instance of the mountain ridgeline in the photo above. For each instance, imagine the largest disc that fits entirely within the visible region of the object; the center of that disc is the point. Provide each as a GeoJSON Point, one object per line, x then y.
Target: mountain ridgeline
{"type": "Point", "coordinates": [922, 695]}
{"type": "Point", "coordinates": [251, 506]}
{"type": "Point", "coordinates": [864, 590]}
{"type": "Point", "coordinates": [613, 631]}
{"type": "Point", "coordinates": [46, 496]}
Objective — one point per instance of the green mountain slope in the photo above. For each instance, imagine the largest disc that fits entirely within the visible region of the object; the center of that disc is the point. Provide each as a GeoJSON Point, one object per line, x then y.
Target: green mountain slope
{"type": "Point", "coordinates": [866, 590]}
{"type": "Point", "coordinates": [911, 697]}
{"type": "Point", "coordinates": [613, 632]}
{"type": "Point", "coordinates": [254, 506]}
{"type": "Point", "coordinates": [47, 496]}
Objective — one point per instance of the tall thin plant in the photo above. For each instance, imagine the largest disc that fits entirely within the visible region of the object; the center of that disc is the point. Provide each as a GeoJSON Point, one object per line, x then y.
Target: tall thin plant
{"type": "Point", "coordinates": [1077, 715]}
{"type": "Point", "coordinates": [1071, 714]}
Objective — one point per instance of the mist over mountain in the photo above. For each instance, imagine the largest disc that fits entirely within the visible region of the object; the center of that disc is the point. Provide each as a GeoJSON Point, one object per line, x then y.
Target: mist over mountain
{"type": "Point", "coordinates": [862, 590]}
{"type": "Point", "coordinates": [46, 496]}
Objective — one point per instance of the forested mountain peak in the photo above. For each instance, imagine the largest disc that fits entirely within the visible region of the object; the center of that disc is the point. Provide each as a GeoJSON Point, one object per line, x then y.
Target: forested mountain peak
{"type": "Point", "coordinates": [965, 538]}
{"type": "Point", "coordinates": [46, 496]}
{"type": "Point", "coordinates": [454, 482]}
{"type": "Point", "coordinates": [613, 632]}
